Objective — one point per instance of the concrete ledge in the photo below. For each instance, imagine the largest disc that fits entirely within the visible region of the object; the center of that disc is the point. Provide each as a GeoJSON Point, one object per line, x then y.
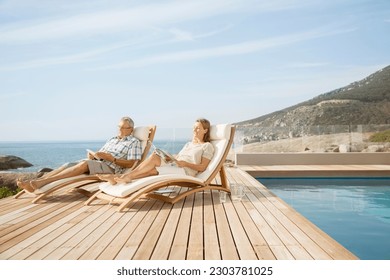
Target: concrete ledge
{"type": "Point", "coordinates": [313, 171]}
{"type": "Point", "coordinates": [312, 158]}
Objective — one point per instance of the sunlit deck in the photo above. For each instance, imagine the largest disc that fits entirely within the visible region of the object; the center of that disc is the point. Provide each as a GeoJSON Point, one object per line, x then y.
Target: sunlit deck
{"type": "Point", "coordinates": [260, 226]}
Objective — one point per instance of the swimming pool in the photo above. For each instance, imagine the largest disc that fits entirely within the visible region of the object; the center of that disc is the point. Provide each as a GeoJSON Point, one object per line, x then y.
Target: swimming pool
{"type": "Point", "coordinates": [353, 211]}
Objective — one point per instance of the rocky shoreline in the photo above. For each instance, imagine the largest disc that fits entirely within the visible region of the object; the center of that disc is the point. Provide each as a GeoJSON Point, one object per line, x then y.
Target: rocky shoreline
{"type": "Point", "coordinates": [13, 162]}
{"type": "Point", "coordinates": [8, 179]}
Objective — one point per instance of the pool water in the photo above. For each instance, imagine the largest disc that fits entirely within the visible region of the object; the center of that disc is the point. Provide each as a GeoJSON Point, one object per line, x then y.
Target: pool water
{"type": "Point", "coordinates": [353, 211]}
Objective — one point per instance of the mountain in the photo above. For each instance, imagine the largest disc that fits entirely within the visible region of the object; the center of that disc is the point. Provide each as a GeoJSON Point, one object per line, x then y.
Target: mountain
{"type": "Point", "coordinates": [362, 106]}
{"type": "Point", "coordinates": [364, 102]}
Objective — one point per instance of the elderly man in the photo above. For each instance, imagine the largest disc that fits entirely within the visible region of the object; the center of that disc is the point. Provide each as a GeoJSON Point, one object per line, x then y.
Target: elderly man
{"type": "Point", "coordinates": [117, 154]}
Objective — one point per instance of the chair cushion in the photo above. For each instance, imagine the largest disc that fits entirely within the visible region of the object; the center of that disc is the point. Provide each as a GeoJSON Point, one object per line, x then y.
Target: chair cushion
{"type": "Point", "coordinates": [123, 190]}
{"type": "Point", "coordinates": [220, 131]}
{"type": "Point", "coordinates": [220, 135]}
{"type": "Point", "coordinates": [141, 133]}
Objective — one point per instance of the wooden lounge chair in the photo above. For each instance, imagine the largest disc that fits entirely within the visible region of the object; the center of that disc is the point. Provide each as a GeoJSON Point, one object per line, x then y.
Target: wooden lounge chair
{"type": "Point", "coordinates": [221, 138]}
{"type": "Point", "coordinates": [144, 133]}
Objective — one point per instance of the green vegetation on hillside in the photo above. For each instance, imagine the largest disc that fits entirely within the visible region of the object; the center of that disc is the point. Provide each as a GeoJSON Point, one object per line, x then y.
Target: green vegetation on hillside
{"type": "Point", "coordinates": [383, 136]}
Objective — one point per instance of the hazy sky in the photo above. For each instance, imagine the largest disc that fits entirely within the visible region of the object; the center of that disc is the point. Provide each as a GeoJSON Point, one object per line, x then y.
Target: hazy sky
{"type": "Point", "coordinates": [70, 69]}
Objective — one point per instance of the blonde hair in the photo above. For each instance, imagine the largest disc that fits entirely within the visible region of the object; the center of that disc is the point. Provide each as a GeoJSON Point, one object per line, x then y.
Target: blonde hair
{"type": "Point", "coordinates": [206, 125]}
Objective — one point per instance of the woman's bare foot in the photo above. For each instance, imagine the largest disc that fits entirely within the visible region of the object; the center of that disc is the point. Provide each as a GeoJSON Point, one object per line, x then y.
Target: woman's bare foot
{"type": "Point", "coordinates": [26, 185]}
{"type": "Point", "coordinates": [124, 179]}
{"type": "Point", "coordinates": [107, 177]}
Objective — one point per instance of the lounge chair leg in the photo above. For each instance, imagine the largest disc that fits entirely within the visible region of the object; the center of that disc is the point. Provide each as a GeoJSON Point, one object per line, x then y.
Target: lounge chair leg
{"type": "Point", "coordinates": [39, 197]}
{"type": "Point", "coordinates": [92, 198]}
{"type": "Point", "coordinates": [123, 206]}
{"type": "Point", "coordinates": [19, 194]}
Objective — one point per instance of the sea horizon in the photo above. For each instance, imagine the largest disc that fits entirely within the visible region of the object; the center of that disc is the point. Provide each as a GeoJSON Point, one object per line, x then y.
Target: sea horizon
{"type": "Point", "coordinates": [52, 154]}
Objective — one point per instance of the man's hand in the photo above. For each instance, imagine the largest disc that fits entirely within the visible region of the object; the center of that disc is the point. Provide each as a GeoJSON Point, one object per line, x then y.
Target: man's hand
{"type": "Point", "coordinates": [103, 155]}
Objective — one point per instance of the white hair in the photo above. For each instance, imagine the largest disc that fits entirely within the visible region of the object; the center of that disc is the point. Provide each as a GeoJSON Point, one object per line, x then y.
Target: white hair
{"type": "Point", "coordinates": [128, 120]}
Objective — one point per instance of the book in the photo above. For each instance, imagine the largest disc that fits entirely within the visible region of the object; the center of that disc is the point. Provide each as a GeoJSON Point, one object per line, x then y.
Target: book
{"type": "Point", "coordinates": [165, 156]}
{"type": "Point", "coordinates": [92, 153]}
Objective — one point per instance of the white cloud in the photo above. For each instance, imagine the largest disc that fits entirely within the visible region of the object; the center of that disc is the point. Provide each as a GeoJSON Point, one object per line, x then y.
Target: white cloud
{"type": "Point", "coordinates": [66, 59]}
{"type": "Point", "coordinates": [110, 21]}
{"type": "Point", "coordinates": [181, 35]}
{"type": "Point", "coordinates": [233, 49]}
{"type": "Point", "coordinates": [306, 65]}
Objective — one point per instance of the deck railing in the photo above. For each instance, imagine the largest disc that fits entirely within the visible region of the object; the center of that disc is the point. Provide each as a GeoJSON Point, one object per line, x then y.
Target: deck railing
{"type": "Point", "coordinates": [330, 138]}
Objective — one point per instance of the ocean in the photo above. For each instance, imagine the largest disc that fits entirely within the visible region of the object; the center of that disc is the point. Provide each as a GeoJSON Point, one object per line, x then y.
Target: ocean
{"type": "Point", "coordinates": [55, 154]}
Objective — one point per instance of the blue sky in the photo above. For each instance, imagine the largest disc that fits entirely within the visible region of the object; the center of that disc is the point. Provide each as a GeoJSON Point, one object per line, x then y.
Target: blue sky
{"type": "Point", "coordinates": [70, 69]}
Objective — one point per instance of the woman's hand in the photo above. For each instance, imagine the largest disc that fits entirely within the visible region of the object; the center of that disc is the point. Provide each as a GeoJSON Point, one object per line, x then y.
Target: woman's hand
{"type": "Point", "coordinates": [198, 167]}
{"type": "Point", "coordinates": [181, 163]}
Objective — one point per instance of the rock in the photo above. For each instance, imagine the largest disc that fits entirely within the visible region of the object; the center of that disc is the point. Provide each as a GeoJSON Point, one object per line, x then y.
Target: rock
{"type": "Point", "coordinates": [8, 179]}
{"type": "Point", "coordinates": [12, 162]}
{"type": "Point", "coordinates": [343, 148]}
{"type": "Point", "coordinates": [374, 149]}
{"type": "Point", "coordinates": [44, 170]}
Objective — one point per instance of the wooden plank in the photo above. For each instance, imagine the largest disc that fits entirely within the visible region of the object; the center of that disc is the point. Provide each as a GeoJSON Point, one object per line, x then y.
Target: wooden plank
{"type": "Point", "coordinates": [259, 199]}
{"type": "Point", "coordinates": [291, 235]}
{"type": "Point", "coordinates": [195, 243]}
{"type": "Point", "coordinates": [329, 245]}
{"type": "Point", "coordinates": [282, 253]}
{"type": "Point", "coordinates": [243, 245]}
{"type": "Point", "coordinates": [9, 204]}
{"type": "Point", "coordinates": [255, 236]}
{"type": "Point", "coordinates": [180, 241]}
{"type": "Point", "coordinates": [226, 241]}
{"type": "Point", "coordinates": [24, 218]}
{"type": "Point", "coordinates": [211, 243]}
{"type": "Point", "coordinates": [141, 228]}
{"type": "Point", "coordinates": [147, 246]}
{"type": "Point", "coordinates": [12, 215]}
{"type": "Point", "coordinates": [103, 243]}
{"type": "Point", "coordinates": [35, 242]}
{"type": "Point", "coordinates": [270, 237]}
{"type": "Point", "coordinates": [165, 242]}
{"type": "Point", "coordinates": [33, 225]}
{"type": "Point", "coordinates": [59, 246]}
{"type": "Point", "coordinates": [136, 213]}
{"type": "Point", "coordinates": [91, 237]}
{"type": "Point", "coordinates": [250, 217]}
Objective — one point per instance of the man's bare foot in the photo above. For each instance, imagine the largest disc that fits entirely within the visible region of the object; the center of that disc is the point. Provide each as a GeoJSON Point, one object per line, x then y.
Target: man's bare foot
{"type": "Point", "coordinates": [35, 185]}
{"type": "Point", "coordinates": [26, 185]}
{"type": "Point", "coordinates": [107, 177]}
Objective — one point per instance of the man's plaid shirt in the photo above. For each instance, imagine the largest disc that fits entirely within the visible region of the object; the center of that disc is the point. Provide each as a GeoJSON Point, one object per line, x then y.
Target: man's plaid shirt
{"type": "Point", "coordinates": [128, 148]}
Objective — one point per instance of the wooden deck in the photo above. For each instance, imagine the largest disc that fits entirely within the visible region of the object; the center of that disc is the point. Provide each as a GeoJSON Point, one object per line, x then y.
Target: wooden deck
{"type": "Point", "coordinates": [260, 226]}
